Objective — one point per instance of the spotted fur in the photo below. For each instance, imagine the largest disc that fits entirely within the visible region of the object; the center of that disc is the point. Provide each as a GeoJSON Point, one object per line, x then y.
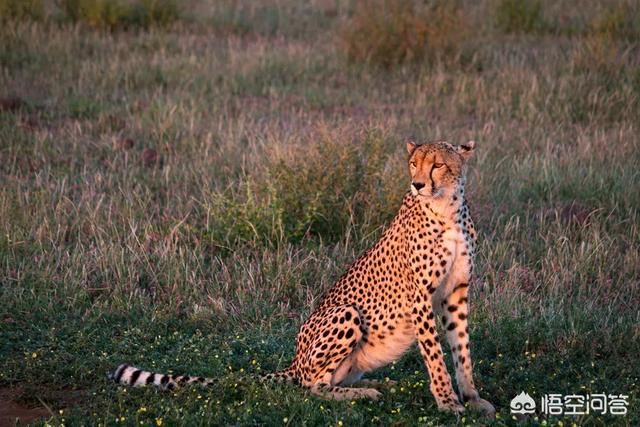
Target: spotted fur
{"type": "Point", "coordinates": [390, 297]}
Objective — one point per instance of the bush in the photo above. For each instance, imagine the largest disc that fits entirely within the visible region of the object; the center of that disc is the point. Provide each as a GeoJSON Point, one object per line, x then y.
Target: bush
{"type": "Point", "coordinates": [113, 14]}
{"type": "Point", "coordinates": [103, 14]}
{"type": "Point", "coordinates": [159, 12]}
{"type": "Point", "coordinates": [20, 10]}
{"type": "Point", "coordinates": [622, 22]}
{"type": "Point", "coordinates": [365, 186]}
{"type": "Point", "coordinates": [387, 32]}
{"type": "Point", "coordinates": [519, 16]}
{"type": "Point", "coordinates": [298, 199]}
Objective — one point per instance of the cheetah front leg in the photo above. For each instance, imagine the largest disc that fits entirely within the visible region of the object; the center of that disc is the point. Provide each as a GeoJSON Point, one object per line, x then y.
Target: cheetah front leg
{"type": "Point", "coordinates": [424, 324]}
{"type": "Point", "coordinates": [455, 311]}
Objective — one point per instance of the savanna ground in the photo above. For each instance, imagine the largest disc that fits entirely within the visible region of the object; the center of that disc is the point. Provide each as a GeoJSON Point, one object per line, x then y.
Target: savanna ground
{"type": "Point", "coordinates": [178, 192]}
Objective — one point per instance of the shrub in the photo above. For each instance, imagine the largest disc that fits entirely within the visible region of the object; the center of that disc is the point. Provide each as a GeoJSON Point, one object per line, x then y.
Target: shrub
{"type": "Point", "coordinates": [621, 21]}
{"type": "Point", "coordinates": [298, 199]}
{"type": "Point", "coordinates": [21, 10]}
{"type": "Point", "coordinates": [95, 13]}
{"type": "Point", "coordinates": [159, 12]}
{"type": "Point", "coordinates": [519, 16]}
{"type": "Point", "coordinates": [113, 14]}
{"type": "Point", "coordinates": [360, 189]}
{"type": "Point", "coordinates": [387, 32]}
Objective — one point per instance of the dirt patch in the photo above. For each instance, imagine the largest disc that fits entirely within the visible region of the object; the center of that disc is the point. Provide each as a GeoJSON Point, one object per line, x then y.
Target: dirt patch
{"type": "Point", "coordinates": [13, 413]}
{"type": "Point", "coordinates": [21, 406]}
{"type": "Point", "coordinates": [11, 104]}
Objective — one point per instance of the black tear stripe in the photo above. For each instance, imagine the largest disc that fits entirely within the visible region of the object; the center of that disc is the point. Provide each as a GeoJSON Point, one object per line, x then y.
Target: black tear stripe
{"type": "Point", "coordinates": [460, 286]}
{"type": "Point", "coordinates": [134, 377]}
{"type": "Point", "coordinates": [151, 378]}
{"type": "Point", "coordinates": [119, 373]}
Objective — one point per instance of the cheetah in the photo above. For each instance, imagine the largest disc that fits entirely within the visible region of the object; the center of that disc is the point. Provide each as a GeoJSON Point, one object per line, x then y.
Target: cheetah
{"type": "Point", "coordinates": [389, 298]}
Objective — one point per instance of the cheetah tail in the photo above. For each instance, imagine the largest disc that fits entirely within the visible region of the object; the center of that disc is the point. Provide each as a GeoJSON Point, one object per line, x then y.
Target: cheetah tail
{"type": "Point", "coordinates": [130, 375]}
{"type": "Point", "coordinates": [285, 375]}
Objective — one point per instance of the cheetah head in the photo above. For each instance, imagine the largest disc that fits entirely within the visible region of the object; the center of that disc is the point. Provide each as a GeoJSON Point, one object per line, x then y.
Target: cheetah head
{"type": "Point", "coordinates": [438, 169]}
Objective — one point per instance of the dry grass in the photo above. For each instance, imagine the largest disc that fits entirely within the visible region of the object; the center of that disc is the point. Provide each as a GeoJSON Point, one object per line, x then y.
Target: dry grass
{"type": "Point", "coordinates": [218, 178]}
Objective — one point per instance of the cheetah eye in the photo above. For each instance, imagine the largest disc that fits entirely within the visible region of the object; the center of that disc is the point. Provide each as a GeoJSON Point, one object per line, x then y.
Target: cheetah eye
{"type": "Point", "coordinates": [438, 165]}
{"type": "Point", "coordinates": [413, 165]}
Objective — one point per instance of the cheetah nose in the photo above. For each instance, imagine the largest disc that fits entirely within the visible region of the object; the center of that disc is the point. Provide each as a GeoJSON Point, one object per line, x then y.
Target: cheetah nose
{"type": "Point", "coordinates": [418, 185]}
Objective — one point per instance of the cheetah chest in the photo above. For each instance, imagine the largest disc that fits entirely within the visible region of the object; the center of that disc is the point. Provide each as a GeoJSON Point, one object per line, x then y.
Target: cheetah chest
{"type": "Point", "coordinates": [458, 249]}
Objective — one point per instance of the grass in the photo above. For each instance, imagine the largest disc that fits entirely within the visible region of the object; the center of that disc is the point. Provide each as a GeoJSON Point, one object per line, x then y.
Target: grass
{"type": "Point", "coordinates": [386, 33]}
{"type": "Point", "coordinates": [513, 16]}
{"type": "Point", "coordinates": [180, 198]}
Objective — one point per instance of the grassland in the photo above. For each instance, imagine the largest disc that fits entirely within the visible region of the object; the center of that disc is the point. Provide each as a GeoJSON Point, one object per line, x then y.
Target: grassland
{"type": "Point", "coordinates": [179, 197]}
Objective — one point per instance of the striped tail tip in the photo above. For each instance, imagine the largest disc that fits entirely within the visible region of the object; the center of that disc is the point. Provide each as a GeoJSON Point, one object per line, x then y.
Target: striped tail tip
{"type": "Point", "coordinates": [116, 374]}
{"type": "Point", "coordinates": [130, 375]}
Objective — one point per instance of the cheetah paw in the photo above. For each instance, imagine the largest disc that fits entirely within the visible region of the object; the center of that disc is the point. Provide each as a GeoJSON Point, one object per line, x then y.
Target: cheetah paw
{"type": "Point", "coordinates": [454, 407]}
{"type": "Point", "coordinates": [482, 405]}
{"type": "Point", "coordinates": [371, 393]}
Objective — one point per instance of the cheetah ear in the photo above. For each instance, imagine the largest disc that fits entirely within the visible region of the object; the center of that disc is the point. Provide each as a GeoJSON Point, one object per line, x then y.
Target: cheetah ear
{"type": "Point", "coordinates": [411, 146]}
{"type": "Point", "coordinates": [466, 150]}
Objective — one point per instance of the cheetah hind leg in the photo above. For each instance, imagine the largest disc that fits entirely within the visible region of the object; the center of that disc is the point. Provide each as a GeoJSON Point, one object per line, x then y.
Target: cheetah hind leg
{"type": "Point", "coordinates": [330, 357]}
{"type": "Point", "coordinates": [328, 391]}
{"type": "Point", "coordinates": [353, 376]}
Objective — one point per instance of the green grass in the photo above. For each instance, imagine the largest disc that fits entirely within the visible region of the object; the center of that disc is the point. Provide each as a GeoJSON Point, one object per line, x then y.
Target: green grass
{"type": "Point", "coordinates": [279, 160]}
